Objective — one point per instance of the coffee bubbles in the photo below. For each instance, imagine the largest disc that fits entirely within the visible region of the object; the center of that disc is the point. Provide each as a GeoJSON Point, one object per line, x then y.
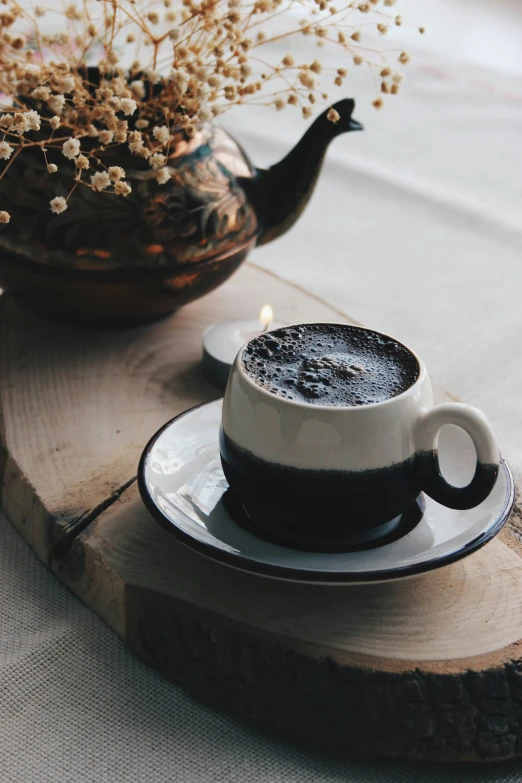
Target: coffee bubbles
{"type": "Point", "coordinates": [324, 364]}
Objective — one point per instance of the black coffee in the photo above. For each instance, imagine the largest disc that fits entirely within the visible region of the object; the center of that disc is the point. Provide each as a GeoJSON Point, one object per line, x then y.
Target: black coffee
{"type": "Point", "coordinates": [326, 364]}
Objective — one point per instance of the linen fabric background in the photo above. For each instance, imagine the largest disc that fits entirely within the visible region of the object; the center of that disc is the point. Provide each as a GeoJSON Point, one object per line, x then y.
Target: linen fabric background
{"type": "Point", "coordinates": [415, 229]}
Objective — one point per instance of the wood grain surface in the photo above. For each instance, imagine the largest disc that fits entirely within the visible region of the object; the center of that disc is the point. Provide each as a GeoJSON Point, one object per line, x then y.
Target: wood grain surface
{"type": "Point", "coordinates": [429, 667]}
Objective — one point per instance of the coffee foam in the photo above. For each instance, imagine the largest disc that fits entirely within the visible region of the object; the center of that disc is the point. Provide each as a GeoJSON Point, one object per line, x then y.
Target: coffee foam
{"type": "Point", "coordinates": [325, 364]}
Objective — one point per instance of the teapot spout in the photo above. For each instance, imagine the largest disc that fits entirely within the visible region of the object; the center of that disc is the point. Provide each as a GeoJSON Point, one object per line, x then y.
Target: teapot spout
{"type": "Point", "coordinates": [280, 194]}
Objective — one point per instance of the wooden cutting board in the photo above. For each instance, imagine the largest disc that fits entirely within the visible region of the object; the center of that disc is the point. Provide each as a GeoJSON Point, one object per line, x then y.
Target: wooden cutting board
{"type": "Point", "coordinates": [429, 667]}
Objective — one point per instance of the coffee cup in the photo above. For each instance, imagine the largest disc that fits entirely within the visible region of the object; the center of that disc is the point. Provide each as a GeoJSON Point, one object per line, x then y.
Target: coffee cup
{"type": "Point", "coordinates": [329, 436]}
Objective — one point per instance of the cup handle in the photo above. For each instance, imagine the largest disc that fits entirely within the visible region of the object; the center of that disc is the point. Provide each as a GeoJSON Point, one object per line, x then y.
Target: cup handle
{"type": "Point", "coordinates": [428, 470]}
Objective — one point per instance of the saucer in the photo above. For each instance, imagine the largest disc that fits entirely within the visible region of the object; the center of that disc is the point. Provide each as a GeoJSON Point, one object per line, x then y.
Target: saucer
{"type": "Point", "coordinates": [182, 485]}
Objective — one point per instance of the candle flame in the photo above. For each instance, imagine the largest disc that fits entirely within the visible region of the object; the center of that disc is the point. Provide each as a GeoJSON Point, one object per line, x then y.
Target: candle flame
{"type": "Point", "coordinates": [266, 316]}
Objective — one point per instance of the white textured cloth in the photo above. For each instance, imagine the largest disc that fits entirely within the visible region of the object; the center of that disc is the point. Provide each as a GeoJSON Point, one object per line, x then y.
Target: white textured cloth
{"type": "Point", "coordinates": [415, 229]}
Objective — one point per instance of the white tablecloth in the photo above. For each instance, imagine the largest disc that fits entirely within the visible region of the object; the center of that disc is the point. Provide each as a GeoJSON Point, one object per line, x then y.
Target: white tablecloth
{"type": "Point", "coordinates": [415, 229]}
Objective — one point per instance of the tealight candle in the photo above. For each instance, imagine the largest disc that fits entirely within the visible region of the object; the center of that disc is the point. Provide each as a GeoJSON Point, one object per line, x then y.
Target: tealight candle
{"type": "Point", "coordinates": [222, 343]}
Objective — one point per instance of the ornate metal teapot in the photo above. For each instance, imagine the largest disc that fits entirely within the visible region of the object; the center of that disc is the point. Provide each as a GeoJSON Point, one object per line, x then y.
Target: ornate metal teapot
{"type": "Point", "coordinates": [134, 259]}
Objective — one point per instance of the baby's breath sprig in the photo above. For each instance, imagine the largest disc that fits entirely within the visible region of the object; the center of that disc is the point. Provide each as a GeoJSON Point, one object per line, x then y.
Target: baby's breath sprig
{"type": "Point", "coordinates": [124, 76]}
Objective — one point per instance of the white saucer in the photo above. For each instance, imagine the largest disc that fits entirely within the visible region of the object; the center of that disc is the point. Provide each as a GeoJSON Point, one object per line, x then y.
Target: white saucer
{"type": "Point", "coordinates": [182, 485]}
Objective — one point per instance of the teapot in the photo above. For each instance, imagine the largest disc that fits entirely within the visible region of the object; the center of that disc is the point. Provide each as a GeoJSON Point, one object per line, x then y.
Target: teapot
{"type": "Point", "coordinates": [119, 260]}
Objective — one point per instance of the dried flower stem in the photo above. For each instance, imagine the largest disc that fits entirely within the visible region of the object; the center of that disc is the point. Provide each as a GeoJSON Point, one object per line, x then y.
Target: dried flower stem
{"type": "Point", "coordinates": [193, 61]}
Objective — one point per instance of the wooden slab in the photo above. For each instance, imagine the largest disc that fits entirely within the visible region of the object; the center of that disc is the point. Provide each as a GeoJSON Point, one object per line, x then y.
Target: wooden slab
{"type": "Point", "coordinates": [429, 667]}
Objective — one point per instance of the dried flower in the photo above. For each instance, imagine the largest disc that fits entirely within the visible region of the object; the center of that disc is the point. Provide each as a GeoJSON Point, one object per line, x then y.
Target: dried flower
{"type": "Point", "coordinates": [378, 103]}
{"type": "Point", "coordinates": [100, 180]}
{"type": "Point", "coordinates": [42, 93]}
{"type": "Point", "coordinates": [33, 120]}
{"type": "Point", "coordinates": [20, 123]}
{"type": "Point", "coordinates": [5, 150]}
{"type": "Point", "coordinates": [65, 83]}
{"type": "Point", "coordinates": [56, 103]}
{"type": "Point", "coordinates": [162, 176]}
{"type": "Point", "coordinates": [137, 147]}
{"type": "Point", "coordinates": [333, 115]}
{"type": "Point", "coordinates": [205, 114]}
{"type": "Point", "coordinates": [116, 173]}
{"type": "Point", "coordinates": [122, 188]}
{"type": "Point", "coordinates": [307, 80]}
{"type": "Point", "coordinates": [208, 45]}
{"type": "Point", "coordinates": [161, 134]}
{"type": "Point", "coordinates": [5, 217]}
{"type": "Point", "coordinates": [58, 205]}
{"type": "Point", "coordinates": [138, 89]}
{"type": "Point", "coordinates": [106, 136]}
{"type": "Point", "coordinates": [157, 160]}
{"type": "Point", "coordinates": [128, 106]}
{"type": "Point", "coordinates": [7, 19]}
{"type": "Point", "coordinates": [71, 148]}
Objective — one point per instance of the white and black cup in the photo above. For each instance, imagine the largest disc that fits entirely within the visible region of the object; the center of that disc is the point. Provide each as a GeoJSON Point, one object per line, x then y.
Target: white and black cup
{"type": "Point", "coordinates": [329, 436]}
